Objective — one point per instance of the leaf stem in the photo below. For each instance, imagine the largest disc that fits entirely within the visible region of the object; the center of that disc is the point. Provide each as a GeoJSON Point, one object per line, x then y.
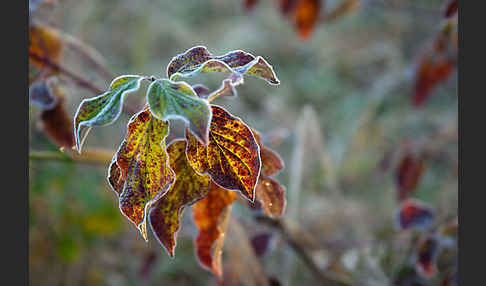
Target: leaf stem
{"type": "Point", "coordinates": [91, 156]}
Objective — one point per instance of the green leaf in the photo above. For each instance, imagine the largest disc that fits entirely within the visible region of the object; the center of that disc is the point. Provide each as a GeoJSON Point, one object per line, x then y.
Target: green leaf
{"type": "Point", "coordinates": [199, 60]}
{"type": "Point", "coordinates": [139, 173]}
{"type": "Point", "coordinates": [103, 109]}
{"type": "Point", "coordinates": [168, 99]}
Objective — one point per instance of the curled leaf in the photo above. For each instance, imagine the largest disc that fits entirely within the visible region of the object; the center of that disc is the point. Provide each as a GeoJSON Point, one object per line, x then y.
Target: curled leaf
{"type": "Point", "coordinates": [211, 216]}
{"type": "Point", "coordinates": [143, 168]}
{"type": "Point", "coordinates": [103, 109]}
{"type": "Point", "coordinates": [306, 14]}
{"type": "Point", "coordinates": [168, 99]}
{"type": "Point", "coordinates": [55, 121]}
{"type": "Point", "coordinates": [232, 156]}
{"type": "Point", "coordinates": [41, 94]}
{"type": "Point", "coordinates": [188, 188]}
{"type": "Point", "coordinates": [413, 214]}
{"type": "Point", "coordinates": [199, 60]}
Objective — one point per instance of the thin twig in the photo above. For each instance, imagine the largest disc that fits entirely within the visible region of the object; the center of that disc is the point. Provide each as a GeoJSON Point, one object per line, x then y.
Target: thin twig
{"type": "Point", "coordinates": [322, 277]}
{"type": "Point", "coordinates": [91, 156]}
{"type": "Point", "coordinates": [76, 78]}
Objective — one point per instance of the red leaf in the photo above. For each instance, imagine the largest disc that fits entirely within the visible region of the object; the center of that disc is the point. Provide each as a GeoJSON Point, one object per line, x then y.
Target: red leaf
{"type": "Point", "coordinates": [413, 214]}
{"type": "Point", "coordinates": [451, 8]}
{"type": "Point", "coordinates": [431, 71]}
{"type": "Point", "coordinates": [427, 252]}
{"type": "Point", "coordinates": [408, 174]}
{"type": "Point", "coordinates": [249, 4]}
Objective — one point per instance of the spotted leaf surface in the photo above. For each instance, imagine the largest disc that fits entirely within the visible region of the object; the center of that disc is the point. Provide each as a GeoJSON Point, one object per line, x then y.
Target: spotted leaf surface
{"type": "Point", "coordinates": [168, 99]}
{"type": "Point", "coordinates": [232, 156]}
{"type": "Point", "coordinates": [103, 109]}
{"type": "Point", "coordinates": [188, 188]}
{"type": "Point", "coordinates": [199, 60]}
{"type": "Point", "coordinates": [211, 216]}
{"type": "Point", "coordinates": [142, 168]}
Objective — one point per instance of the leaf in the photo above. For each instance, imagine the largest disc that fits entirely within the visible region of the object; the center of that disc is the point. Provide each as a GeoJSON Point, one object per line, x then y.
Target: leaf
{"type": "Point", "coordinates": [271, 161]}
{"type": "Point", "coordinates": [249, 4]}
{"type": "Point", "coordinates": [143, 168]}
{"type": "Point", "coordinates": [188, 188]}
{"type": "Point", "coordinates": [168, 99]}
{"type": "Point", "coordinates": [451, 8]}
{"type": "Point", "coordinates": [306, 15]}
{"type": "Point", "coordinates": [55, 121]}
{"type": "Point", "coordinates": [408, 175]}
{"type": "Point", "coordinates": [271, 196]}
{"type": "Point", "coordinates": [430, 72]}
{"type": "Point", "coordinates": [40, 94]}
{"type": "Point", "coordinates": [413, 214]}
{"type": "Point", "coordinates": [199, 60]}
{"type": "Point", "coordinates": [426, 256]}
{"type": "Point", "coordinates": [211, 216]}
{"type": "Point", "coordinates": [103, 109]}
{"type": "Point", "coordinates": [286, 6]}
{"type": "Point", "coordinates": [232, 156]}
{"type": "Point", "coordinates": [44, 43]}
{"type": "Point", "coordinates": [201, 90]}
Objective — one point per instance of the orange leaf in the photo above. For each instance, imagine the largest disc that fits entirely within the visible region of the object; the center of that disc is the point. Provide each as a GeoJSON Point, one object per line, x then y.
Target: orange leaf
{"type": "Point", "coordinates": [188, 188]}
{"type": "Point", "coordinates": [44, 42]}
{"type": "Point", "coordinates": [231, 158]}
{"type": "Point", "coordinates": [306, 15]}
{"type": "Point", "coordinates": [211, 216]}
{"type": "Point", "coordinates": [271, 196]}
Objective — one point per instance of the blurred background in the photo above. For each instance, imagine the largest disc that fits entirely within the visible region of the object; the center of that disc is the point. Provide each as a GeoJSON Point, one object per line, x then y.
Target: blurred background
{"type": "Point", "coordinates": [360, 123]}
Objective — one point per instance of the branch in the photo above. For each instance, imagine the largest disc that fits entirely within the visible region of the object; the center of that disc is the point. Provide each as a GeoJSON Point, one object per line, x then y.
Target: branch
{"type": "Point", "coordinates": [76, 78]}
{"type": "Point", "coordinates": [291, 237]}
{"type": "Point", "coordinates": [91, 156]}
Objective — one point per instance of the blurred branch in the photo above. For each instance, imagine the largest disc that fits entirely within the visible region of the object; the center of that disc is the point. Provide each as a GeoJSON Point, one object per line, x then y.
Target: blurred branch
{"type": "Point", "coordinates": [292, 235]}
{"type": "Point", "coordinates": [88, 53]}
{"type": "Point", "coordinates": [76, 78]}
{"type": "Point", "coordinates": [91, 156]}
